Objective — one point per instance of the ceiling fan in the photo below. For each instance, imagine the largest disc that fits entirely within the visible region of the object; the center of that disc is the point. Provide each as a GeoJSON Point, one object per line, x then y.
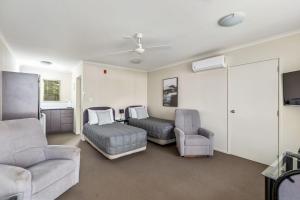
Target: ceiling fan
{"type": "Point", "coordinates": [140, 49]}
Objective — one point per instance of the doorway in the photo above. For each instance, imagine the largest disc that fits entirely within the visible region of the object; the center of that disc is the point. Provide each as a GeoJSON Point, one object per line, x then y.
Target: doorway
{"type": "Point", "coordinates": [78, 107]}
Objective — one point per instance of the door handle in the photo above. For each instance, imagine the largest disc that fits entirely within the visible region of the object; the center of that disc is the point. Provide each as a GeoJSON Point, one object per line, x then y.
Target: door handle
{"type": "Point", "coordinates": [232, 111]}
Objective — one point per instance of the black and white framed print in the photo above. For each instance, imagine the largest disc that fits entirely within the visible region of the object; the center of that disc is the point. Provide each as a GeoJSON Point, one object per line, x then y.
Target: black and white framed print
{"type": "Point", "coordinates": [170, 92]}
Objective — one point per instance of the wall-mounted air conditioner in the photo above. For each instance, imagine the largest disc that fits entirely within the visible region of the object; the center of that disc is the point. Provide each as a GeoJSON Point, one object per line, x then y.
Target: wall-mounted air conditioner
{"type": "Point", "coordinates": [209, 63]}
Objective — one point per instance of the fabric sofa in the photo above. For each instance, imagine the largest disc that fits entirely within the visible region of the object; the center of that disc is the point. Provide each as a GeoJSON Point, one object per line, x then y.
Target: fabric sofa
{"type": "Point", "coordinates": [31, 168]}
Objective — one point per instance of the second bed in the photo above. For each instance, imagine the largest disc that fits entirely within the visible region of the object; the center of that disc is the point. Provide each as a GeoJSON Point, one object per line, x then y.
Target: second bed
{"type": "Point", "coordinates": [160, 131]}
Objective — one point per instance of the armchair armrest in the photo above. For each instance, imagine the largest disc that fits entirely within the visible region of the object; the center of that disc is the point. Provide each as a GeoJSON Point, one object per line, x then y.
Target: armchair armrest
{"type": "Point", "coordinates": [62, 152]}
{"type": "Point", "coordinates": [206, 133]}
{"type": "Point", "coordinates": [179, 132]}
{"type": "Point", "coordinates": [14, 181]}
{"type": "Point", "coordinates": [210, 135]}
{"type": "Point", "coordinates": [180, 137]}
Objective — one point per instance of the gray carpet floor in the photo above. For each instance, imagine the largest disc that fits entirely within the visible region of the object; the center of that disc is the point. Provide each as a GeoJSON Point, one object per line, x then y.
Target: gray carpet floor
{"type": "Point", "coordinates": [160, 174]}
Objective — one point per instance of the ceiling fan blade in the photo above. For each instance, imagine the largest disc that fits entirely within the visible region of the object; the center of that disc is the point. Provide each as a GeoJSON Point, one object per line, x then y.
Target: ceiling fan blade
{"type": "Point", "coordinates": [158, 46]}
{"type": "Point", "coordinates": [117, 53]}
{"type": "Point", "coordinates": [128, 37]}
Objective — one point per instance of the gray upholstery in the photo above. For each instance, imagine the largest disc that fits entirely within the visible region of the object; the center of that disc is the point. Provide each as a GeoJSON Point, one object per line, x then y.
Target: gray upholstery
{"type": "Point", "coordinates": [30, 167]}
{"type": "Point", "coordinates": [22, 143]}
{"type": "Point", "coordinates": [191, 139]}
{"type": "Point", "coordinates": [156, 128]}
{"type": "Point", "coordinates": [188, 121]}
{"type": "Point", "coordinates": [290, 190]}
{"type": "Point", "coordinates": [48, 172]}
{"type": "Point", "coordinates": [115, 138]}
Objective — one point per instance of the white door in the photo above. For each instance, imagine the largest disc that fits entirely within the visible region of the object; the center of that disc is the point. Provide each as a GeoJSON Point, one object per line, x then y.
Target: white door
{"type": "Point", "coordinates": [252, 111]}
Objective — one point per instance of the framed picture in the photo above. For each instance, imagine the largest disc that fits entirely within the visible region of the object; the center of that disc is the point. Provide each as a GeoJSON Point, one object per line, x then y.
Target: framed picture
{"type": "Point", "coordinates": [170, 92]}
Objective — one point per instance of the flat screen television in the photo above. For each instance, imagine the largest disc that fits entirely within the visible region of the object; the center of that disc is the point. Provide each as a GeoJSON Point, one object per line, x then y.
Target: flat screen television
{"type": "Point", "coordinates": [291, 88]}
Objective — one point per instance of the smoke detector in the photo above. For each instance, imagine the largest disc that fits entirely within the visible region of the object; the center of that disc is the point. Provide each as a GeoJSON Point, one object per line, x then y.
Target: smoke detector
{"type": "Point", "coordinates": [232, 19]}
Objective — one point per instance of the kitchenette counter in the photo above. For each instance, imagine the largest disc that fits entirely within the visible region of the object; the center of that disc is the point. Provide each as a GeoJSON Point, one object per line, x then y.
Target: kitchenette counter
{"type": "Point", "coordinates": [58, 108]}
{"type": "Point", "coordinates": [59, 120]}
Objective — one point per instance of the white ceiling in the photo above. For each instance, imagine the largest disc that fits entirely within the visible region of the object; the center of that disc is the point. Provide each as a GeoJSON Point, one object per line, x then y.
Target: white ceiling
{"type": "Point", "coordinates": [67, 31]}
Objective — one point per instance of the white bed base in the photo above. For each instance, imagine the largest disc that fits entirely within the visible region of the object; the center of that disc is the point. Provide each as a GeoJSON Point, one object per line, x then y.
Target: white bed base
{"type": "Point", "coordinates": [112, 157]}
{"type": "Point", "coordinates": [161, 141]}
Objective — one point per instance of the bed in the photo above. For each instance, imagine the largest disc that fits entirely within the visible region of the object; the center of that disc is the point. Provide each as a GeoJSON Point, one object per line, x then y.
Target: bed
{"type": "Point", "coordinates": [113, 140]}
{"type": "Point", "coordinates": [159, 131]}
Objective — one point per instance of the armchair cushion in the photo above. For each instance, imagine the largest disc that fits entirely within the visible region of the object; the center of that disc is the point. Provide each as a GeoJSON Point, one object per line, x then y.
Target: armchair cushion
{"type": "Point", "coordinates": [64, 152]}
{"type": "Point", "coordinates": [48, 172]}
{"type": "Point", "coordinates": [22, 142]}
{"type": "Point", "coordinates": [188, 121]}
{"type": "Point", "coordinates": [196, 140]}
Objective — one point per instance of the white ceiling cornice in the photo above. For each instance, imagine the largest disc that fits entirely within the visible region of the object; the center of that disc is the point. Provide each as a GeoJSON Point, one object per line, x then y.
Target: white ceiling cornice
{"type": "Point", "coordinates": [104, 65]}
{"type": "Point", "coordinates": [227, 50]}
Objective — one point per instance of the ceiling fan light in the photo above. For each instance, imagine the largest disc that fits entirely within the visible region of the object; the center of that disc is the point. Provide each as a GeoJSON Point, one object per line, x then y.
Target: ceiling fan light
{"type": "Point", "coordinates": [140, 50]}
{"type": "Point", "coordinates": [136, 60]}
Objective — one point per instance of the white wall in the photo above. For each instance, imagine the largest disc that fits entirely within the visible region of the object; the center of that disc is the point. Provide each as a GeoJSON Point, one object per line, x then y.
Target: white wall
{"type": "Point", "coordinates": [118, 88]}
{"type": "Point", "coordinates": [207, 91]}
{"type": "Point", "coordinates": [65, 79]}
{"type": "Point", "coordinates": [7, 63]}
{"type": "Point", "coordinates": [77, 98]}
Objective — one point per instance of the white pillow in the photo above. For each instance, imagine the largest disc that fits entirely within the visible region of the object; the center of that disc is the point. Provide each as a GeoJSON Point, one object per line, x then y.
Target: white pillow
{"type": "Point", "coordinates": [132, 113]}
{"type": "Point", "coordinates": [93, 118]}
{"type": "Point", "coordinates": [105, 116]}
{"type": "Point", "coordinates": [141, 112]}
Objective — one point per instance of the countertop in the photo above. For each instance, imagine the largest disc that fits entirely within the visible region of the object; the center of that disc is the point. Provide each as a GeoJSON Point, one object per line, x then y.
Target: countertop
{"type": "Point", "coordinates": [63, 108]}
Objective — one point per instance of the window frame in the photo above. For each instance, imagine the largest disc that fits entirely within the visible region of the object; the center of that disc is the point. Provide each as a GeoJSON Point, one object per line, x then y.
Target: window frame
{"type": "Point", "coordinates": [44, 90]}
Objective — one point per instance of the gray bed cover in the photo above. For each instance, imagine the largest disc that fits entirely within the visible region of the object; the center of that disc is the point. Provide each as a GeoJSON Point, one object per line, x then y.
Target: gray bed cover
{"type": "Point", "coordinates": [115, 138]}
{"type": "Point", "coordinates": [155, 127]}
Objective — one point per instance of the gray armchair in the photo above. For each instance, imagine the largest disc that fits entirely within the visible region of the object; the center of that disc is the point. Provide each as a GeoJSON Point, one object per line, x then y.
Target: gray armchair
{"type": "Point", "coordinates": [191, 139]}
{"type": "Point", "coordinates": [29, 167]}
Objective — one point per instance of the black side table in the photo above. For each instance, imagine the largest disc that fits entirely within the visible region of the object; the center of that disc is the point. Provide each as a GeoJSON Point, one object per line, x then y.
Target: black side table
{"type": "Point", "coordinates": [123, 121]}
{"type": "Point", "coordinates": [287, 162]}
{"type": "Point", "coordinates": [12, 197]}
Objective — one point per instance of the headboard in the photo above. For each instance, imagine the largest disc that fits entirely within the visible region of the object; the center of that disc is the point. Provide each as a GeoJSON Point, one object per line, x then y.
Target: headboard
{"type": "Point", "coordinates": [85, 118]}
{"type": "Point", "coordinates": [127, 110]}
